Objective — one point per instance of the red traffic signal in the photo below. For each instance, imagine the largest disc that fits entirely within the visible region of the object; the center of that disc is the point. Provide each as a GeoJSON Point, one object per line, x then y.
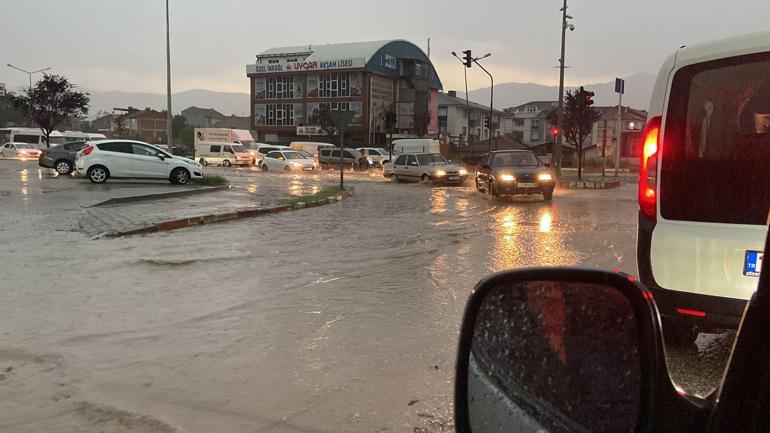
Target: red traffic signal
{"type": "Point", "coordinates": [554, 131]}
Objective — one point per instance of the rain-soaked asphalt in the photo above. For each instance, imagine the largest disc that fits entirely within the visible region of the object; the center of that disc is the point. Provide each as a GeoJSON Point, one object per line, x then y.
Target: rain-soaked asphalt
{"type": "Point", "coordinates": [338, 318]}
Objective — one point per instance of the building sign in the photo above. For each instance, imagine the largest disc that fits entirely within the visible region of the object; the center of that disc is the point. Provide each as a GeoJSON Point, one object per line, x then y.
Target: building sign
{"type": "Point", "coordinates": [310, 130]}
{"type": "Point", "coordinates": [313, 65]}
{"type": "Point", "coordinates": [221, 135]}
{"type": "Point", "coordinates": [388, 61]}
{"type": "Point", "coordinates": [380, 101]}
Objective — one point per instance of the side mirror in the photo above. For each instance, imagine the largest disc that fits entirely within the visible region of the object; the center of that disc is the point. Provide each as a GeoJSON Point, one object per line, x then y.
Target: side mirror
{"type": "Point", "coordinates": [556, 349]}
{"type": "Point", "coordinates": [449, 162]}
{"type": "Point", "coordinates": [161, 156]}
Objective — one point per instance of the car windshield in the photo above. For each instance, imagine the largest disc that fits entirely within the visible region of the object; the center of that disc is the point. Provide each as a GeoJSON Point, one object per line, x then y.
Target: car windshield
{"type": "Point", "coordinates": [294, 155]}
{"type": "Point", "coordinates": [238, 148]}
{"type": "Point", "coordinates": [24, 146]}
{"type": "Point", "coordinates": [431, 159]}
{"type": "Point", "coordinates": [515, 159]}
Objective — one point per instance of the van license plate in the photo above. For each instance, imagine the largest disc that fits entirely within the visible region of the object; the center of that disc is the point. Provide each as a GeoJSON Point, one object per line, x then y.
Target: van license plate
{"type": "Point", "coordinates": [526, 185]}
{"type": "Point", "coordinates": [752, 267]}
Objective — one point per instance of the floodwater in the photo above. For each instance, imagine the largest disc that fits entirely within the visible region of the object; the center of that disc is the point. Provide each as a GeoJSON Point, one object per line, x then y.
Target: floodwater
{"type": "Point", "coordinates": [331, 319]}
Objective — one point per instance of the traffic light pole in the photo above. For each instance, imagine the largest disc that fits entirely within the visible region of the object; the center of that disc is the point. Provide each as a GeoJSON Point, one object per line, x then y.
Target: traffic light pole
{"type": "Point", "coordinates": [619, 133]}
{"type": "Point", "coordinates": [491, 101]}
{"type": "Point", "coordinates": [560, 118]}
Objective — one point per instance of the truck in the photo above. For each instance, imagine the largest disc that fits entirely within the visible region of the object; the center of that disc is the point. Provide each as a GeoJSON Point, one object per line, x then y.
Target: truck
{"type": "Point", "coordinates": [226, 135]}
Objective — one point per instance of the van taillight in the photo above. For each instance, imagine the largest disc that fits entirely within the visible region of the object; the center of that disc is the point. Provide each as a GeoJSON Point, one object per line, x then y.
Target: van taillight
{"type": "Point", "coordinates": [87, 151]}
{"type": "Point", "coordinates": [648, 168]}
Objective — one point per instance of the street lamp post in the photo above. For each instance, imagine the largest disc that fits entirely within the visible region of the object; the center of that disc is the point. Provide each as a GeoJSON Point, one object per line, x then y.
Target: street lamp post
{"type": "Point", "coordinates": [491, 98]}
{"type": "Point", "coordinates": [467, 103]}
{"type": "Point", "coordinates": [29, 73]}
{"type": "Point", "coordinates": [560, 114]}
{"type": "Point", "coordinates": [169, 117]}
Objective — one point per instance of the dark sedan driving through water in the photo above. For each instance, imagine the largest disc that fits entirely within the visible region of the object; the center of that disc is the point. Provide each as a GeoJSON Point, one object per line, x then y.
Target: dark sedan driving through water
{"type": "Point", "coordinates": [510, 172]}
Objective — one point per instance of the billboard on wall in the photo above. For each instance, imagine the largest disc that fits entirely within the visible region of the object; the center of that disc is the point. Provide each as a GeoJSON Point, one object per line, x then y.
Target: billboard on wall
{"type": "Point", "coordinates": [356, 87]}
{"type": "Point", "coordinates": [260, 114]}
{"type": "Point", "coordinates": [260, 88]}
{"type": "Point", "coordinates": [313, 65]}
{"type": "Point", "coordinates": [381, 101]}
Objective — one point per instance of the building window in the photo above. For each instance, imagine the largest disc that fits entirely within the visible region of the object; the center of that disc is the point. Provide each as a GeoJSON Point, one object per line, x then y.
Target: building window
{"type": "Point", "coordinates": [519, 123]}
{"type": "Point", "coordinates": [280, 115]}
{"type": "Point", "coordinates": [532, 109]}
{"type": "Point", "coordinates": [333, 85]}
{"type": "Point", "coordinates": [280, 88]}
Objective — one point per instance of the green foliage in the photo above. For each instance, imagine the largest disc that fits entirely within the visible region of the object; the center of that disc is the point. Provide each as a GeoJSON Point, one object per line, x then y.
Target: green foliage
{"type": "Point", "coordinates": [10, 115]}
{"type": "Point", "coordinates": [51, 101]}
{"type": "Point", "coordinates": [213, 180]}
{"type": "Point", "coordinates": [320, 195]}
{"type": "Point", "coordinates": [178, 124]}
{"type": "Point", "coordinates": [188, 137]}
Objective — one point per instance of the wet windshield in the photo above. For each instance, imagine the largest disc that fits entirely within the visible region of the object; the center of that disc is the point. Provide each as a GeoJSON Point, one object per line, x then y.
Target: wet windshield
{"type": "Point", "coordinates": [515, 159]}
{"type": "Point", "coordinates": [24, 146]}
{"type": "Point", "coordinates": [294, 155]}
{"type": "Point", "coordinates": [431, 159]}
{"type": "Point", "coordinates": [238, 148]}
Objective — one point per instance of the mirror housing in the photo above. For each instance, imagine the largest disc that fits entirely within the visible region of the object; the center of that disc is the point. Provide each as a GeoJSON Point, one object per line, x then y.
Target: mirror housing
{"type": "Point", "coordinates": [577, 356]}
{"type": "Point", "coordinates": [161, 156]}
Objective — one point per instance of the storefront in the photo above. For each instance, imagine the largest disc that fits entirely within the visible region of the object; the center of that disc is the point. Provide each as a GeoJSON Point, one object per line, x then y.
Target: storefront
{"type": "Point", "coordinates": [290, 86]}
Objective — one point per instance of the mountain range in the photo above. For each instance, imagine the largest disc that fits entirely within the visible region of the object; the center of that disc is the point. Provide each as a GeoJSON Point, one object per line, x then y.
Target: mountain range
{"type": "Point", "coordinates": [638, 92]}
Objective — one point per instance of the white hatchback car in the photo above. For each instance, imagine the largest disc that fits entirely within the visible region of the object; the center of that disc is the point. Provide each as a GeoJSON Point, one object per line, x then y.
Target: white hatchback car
{"type": "Point", "coordinates": [704, 192]}
{"type": "Point", "coordinates": [20, 150]}
{"type": "Point", "coordinates": [287, 160]}
{"type": "Point", "coordinates": [133, 159]}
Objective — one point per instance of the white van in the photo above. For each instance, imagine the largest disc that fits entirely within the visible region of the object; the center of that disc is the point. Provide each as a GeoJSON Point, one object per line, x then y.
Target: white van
{"type": "Point", "coordinates": [416, 145]}
{"type": "Point", "coordinates": [221, 153]}
{"type": "Point", "coordinates": [74, 136]}
{"type": "Point", "coordinates": [33, 136]}
{"type": "Point", "coordinates": [310, 147]}
{"type": "Point", "coordinates": [704, 192]}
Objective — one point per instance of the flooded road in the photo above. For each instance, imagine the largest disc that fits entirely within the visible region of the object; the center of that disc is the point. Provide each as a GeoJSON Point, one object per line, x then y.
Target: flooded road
{"type": "Point", "coordinates": [338, 318]}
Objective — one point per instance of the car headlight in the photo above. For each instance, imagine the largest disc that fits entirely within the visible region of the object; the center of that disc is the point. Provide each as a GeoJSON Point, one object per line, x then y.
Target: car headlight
{"type": "Point", "coordinates": [463, 172]}
{"type": "Point", "coordinates": [544, 177]}
{"type": "Point", "coordinates": [440, 173]}
{"type": "Point", "coordinates": [507, 178]}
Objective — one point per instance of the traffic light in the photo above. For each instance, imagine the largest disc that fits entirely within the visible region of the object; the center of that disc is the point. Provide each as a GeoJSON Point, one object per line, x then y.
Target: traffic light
{"type": "Point", "coordinates": [486, 122]}
{"type": "Point", "coordinates": [555, 131]}
{"type": "Point", "coordinates": [587, 97]}
{"type": "Point", "coordinates": [467, 58]}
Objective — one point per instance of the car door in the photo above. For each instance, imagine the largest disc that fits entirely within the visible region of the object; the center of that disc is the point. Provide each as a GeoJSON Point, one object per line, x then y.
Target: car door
{"type": "Point", "coordinates": [412, 168]}
{"type": "Point", "coordinates": [117, 156]}
{"type": "Point", "coordinates": [149, 163]}
{"type": "Point", "coordinates": [274, 161]}
{"type": "Point", "coordinates": [398, 165]}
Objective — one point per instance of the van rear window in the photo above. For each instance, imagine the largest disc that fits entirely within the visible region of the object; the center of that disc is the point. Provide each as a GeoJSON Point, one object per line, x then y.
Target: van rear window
{"type": "Point", "coordinates": [716, 146]}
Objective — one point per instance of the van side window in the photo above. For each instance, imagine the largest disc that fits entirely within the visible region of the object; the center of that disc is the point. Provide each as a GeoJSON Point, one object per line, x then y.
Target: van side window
{"type": "Point", "coordinates": [118, 147]}
{"type": "Point", "coordinates": [411, 160]}
{"type": "Point", "coordinates": [348, 155]}
{"type": "Point", "coordinates": [216, 149]}
{"type": "Point", "coordinates": [401, 160]}
{"type": "Point", "coordinates": [229, 149]}
{"type": "Point", "coordinates": [335, 153]}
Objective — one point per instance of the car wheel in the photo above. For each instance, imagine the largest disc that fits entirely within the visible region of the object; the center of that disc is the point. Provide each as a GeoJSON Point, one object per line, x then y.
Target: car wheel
{"type": "Point", "coordinates": [264, 168]}
{"type": "Point", "coordinates": [547, 196]}
{"type": "Point", "coordinates": [98, 174]}
{"type": "Point", "coordinates": [395, 178]}
{"type": "Point", "coordinates": [203, 162]}
{"type": "Point", "coordinates": [63, 166]}
{"type": "Point", "coordinates": [425, 178]}
{"type": "Point", "coordinates": [180, 176]}
{"type": "Point", "coordinates": [226, 163]}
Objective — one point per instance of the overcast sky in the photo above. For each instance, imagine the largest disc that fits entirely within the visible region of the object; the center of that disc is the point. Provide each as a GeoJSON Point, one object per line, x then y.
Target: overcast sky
{"type": "Point", "coordinates": [120, 44]}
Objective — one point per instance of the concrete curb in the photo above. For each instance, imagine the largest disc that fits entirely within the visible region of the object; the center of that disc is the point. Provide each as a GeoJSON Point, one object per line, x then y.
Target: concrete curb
{"type": "Point", "coordinates": [589, 184]}
{"type": "Point", "coordinates": [160, 195]}
{"type": "Point", "coordinates": [222, 217]}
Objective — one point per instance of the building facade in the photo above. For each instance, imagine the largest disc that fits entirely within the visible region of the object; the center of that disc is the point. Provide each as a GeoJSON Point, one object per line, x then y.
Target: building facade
{"type": "Point", "coordinates": [202, 117]}
{"type": "Point", "coordinates": [604, 132]}
{"type": "Point", "coordinates": [454, 118]}
{"type": "Point", "coordinates": [148, 125]}
{"type": "Point", "coordinates": [290, 86]}
{"type": "Point", "coordinates": [530, 123]}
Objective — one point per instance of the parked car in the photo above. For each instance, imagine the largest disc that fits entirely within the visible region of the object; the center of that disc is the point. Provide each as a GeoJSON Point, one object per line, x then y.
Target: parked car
{"type": "Point", "coordinates": [511, 172]}
{"type": "Point", "coordinates": [287, 160]}
{"type": "Point", "coordinates": [105, 159]}
{"type": "Point", "coordinates": [61, 158]}
{"type": "Point", "coordinates": [330, 157]}
{"type": "Point", "coordinates": [427, 167]}
{"type": "Point", "coordinates": [375, 156]}
{"type": "Point", "coordinates": [704, 200]}
{"type": "Point", "coordinates": [264, 149]}
{"type": "Point", "coordinates": [19, 150]}
{"type": "Point", "coordinates": [221, 153]}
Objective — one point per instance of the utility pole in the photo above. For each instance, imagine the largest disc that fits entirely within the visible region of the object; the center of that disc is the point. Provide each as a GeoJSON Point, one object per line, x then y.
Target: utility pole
{"type": "Point", "coordinates": [560, 121]}
{"type": "Point", "coordinates": [29, 73]}
{"type": "Point", "coordinates": [169, 117]}
{"type": "Point", "coordinates": [620, 87]}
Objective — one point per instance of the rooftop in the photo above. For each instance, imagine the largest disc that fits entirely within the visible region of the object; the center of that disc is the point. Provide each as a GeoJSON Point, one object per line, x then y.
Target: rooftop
{"type": "Point", "coordinates": [445, 99]}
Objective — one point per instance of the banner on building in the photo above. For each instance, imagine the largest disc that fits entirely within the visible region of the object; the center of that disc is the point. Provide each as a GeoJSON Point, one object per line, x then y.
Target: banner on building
{"type": "Point", "coordinates": [260, 114]}
{"type": "Point", "coordinates": [381, 100]}
{"type": "Point", "coordinates": [310, 130]}
{"type": "Point", "coordinates": [313, 65]}
{"type": "Point", "coordinates": [260, 88]}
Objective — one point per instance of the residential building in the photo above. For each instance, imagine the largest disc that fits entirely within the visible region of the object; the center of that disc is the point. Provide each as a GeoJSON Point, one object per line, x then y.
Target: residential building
{"type": "Point", "coordinates": [530, 121]}
{"type": "Point", "coordinates": [604, 133]}
{"type": "Point", "coordinates": [234, 122]}
{"type": "Point", "coordinates": [454, 118]}
{"type": "Point", "coordinates": [291, 85]}
{"type": "Point", "coordinates": [202, 117]}
{"type": "Point", "coordinates": [148, 124]}
{"type": "Point", "coordinates": [104, 123]}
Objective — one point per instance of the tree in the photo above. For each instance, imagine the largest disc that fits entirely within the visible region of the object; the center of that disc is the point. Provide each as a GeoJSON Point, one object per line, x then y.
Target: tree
{"type": "Point", "coordinates": [579, 118]}
{"type": "Point", "coordinates": [120, 127]}
{"type": "Point", "coordinates": [10, 115]}
{"type": "Point", "coordinates": [325, 121]}
{"type": "Point", "coordinates": [178, 124]}
{"type": "Point", "coordinates": [188, 137]}
{"type": "Point", "coordinates": [51, 101]}
{"type": "Point", "coordinates": [421, 122]}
